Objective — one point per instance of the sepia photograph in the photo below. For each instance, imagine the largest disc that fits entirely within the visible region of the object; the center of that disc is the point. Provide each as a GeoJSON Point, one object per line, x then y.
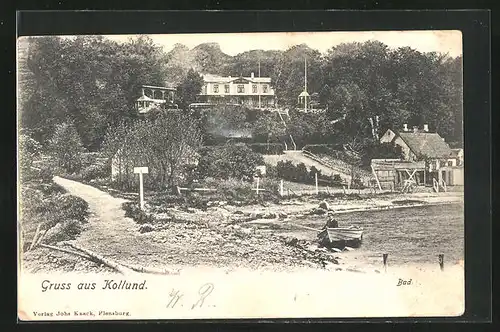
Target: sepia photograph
{"type": "Point", "coordinates": [240, 175]}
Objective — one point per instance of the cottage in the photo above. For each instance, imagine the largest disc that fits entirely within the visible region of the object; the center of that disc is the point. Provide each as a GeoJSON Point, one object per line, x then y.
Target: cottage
{"type": "Point", "coordinates": [457, 158]}
{"type": "Point", "coordinates": [441, 162]}
{"type": "Point", "coordinates": [248, 91]}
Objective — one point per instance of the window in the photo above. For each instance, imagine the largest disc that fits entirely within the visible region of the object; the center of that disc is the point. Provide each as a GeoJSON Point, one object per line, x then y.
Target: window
{"type": "Point", "coordinates": [241, 88]}
{"type": "Point", "coordinates": [216, 88]}
{"type": "Point", "coordinates": [254, 88]}
{"type": "Point", "coordinates": [226, 88]}
{"type": "Point", "coordinates": [264, 88]}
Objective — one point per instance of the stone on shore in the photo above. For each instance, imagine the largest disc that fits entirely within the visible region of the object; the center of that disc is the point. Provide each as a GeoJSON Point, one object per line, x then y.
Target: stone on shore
{"type": "Point", "coordinates": [145, 228]}
{"type": "Point", "coordinates": [324, 205]}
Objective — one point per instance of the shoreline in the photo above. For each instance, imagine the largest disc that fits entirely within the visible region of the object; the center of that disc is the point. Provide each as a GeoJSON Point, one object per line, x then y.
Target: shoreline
{"type": "Point", "coordinates": [230, 236]}
{"type": "Point", "coordinates": [302, 207]}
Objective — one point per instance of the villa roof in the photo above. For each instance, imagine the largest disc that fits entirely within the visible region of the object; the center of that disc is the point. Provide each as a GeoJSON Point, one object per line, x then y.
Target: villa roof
{"type": "Point", "coordinates": [426, 144]}
{"type": "Point", "coordinates": [167, 87]}
{"type": "Point", "coordinates": [144, 98]}
{"type": "Point", "coordinates": [227, 79]}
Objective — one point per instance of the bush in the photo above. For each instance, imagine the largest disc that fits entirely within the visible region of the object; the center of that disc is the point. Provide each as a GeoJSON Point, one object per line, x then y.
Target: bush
{"type": "Point", "coordinates": [267, 148]}
{"type": "Point", "coordinates": [133, 211]}
{"type": "Point", "coordinates": [29, 150]}
{"type": "Point", "coordinates": [88, 158]}
{"type": "Point", "coordinates": [337, 180]}
{"type": "Point", "coordinates": [64, 231]}
{"type": "Point", "coordinates": [320, 148]}
{"type": "Point", "coordinates": [229, 161]}
{"type": "Point", "coordinates": [98, 171]}
{"type": "Point", "coordinates": [357, 183]}
{"type": "Point", "coordinates": [60, 214]}
{"type": "Point", "coordinates": [271, 171]}
{"type": "Point", "coordinates": [51, 189]}
{"type": "Point", "coordinates": [46, 173]}
{"type": "Point", "coordinates": [74, 207]}
{"type": "Point", "coordinates": [296, 173]}
{"type": "Point", "coordinates": [299, 173]}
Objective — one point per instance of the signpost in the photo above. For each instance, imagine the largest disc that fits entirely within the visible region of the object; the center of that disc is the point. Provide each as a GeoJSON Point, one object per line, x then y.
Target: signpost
{"type": "Point", "coordinates": [140, 171]}
{"type": "Point", "coordinates": [316, 182]}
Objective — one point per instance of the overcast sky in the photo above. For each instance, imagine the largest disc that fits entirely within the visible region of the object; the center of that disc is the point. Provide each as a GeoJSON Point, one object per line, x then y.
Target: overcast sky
{"type": "Point", "coordinates": [444, 41]}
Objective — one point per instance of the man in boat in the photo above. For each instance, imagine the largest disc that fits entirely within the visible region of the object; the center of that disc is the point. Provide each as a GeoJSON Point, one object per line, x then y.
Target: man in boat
{"type": "Point", "coordinates": [331, 222]}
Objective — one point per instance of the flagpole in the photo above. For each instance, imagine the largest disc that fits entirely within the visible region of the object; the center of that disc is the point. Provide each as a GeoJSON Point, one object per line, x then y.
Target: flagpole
{"type": "Point", "coordinates": [305, 84]}
{"type": "Point", "coordinates": [259, 87]}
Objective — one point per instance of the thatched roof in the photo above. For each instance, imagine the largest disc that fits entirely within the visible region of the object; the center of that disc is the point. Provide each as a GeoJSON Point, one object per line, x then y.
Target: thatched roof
{"type": "Point", "coordinates": [425, 144]}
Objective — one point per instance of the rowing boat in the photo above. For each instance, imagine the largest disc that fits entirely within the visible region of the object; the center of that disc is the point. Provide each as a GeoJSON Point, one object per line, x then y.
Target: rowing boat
{"type": "Point", "coordinates": [341, 236]}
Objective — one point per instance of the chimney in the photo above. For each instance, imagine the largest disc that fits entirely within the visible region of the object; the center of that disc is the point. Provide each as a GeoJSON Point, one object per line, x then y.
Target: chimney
{"type": "Point", "coordinates": [252, 75]}
{"type": "Point", "coordinates": [415, 129]}
{"type": "Point", "coordinates": [426, 127]}
{"type": "Point", "coordinates": [405, 127]}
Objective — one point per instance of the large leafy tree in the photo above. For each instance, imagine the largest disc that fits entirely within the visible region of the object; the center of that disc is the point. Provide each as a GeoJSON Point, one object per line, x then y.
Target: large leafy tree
{"type": "Point", "coordinates": [66, 147]}
{"type": "Point", "coordinates": [189, 89]}
{"type": "Point", "coordinates": [89, 80]}
{"type": "Point", "coordinates": [164, 143]}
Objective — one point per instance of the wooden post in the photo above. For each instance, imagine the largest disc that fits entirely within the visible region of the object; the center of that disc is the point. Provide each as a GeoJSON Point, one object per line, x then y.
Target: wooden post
{"type": "Point", "coordinates": [384, 257]}
{"type": "Point", "coordinates": [316, 182]}
{"type": "Point", "coordinates": [35, 237]}
{"type": "Point", "coordinates": [141, 171]}
{"type": "Point", "coordinates": [281, 188]}
{"type": "Point", "coordinates": [441, 261]}
{"type": "Point", "coordinates": [141, 191]}
{"type": "Point", "coordinates": [376, 178]}
{"type": "Point", "coordinates": [258, 186]}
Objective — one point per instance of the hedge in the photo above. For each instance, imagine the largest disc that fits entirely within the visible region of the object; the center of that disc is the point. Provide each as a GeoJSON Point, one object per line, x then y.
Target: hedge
{"type": "Point", "coordinates": [267, 148]}
{"type": "Point", "coordinates": [299, 173]}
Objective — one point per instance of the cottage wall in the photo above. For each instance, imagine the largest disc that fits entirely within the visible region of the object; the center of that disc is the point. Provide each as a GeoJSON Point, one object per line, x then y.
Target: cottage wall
{"type": "Point", "coordinates": [388, 136]}
{"type": "Point", "coordinates": [407, 153]}
{"type": "Point", "coordinates": [387, 178]}
{"type": "Point", "coordinates": [457, 176]}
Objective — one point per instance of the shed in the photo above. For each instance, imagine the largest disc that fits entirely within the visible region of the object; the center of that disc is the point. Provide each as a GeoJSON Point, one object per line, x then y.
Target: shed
{"type": "Point", "coordinates": [392, 173]}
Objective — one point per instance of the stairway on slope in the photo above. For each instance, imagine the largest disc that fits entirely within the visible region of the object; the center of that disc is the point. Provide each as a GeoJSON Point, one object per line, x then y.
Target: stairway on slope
{"type": "Point", "coordinates": [288, 140]}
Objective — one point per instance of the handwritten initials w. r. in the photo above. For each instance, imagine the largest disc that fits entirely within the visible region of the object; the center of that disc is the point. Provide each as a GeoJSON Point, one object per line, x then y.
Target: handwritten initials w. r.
{"type": "Point", "coordinates": [175, 296]}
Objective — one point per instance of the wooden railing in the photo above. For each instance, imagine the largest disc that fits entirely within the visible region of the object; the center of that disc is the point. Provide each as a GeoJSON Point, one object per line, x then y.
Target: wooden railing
{"type": "Point", "coordinates": [339, 165]}
{"type": "Point", "coordinates": [437, 184]}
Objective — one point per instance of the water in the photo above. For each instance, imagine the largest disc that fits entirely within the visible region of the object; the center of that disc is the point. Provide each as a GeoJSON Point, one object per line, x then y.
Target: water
{"type": "Point", "coordinates": [408, 235]}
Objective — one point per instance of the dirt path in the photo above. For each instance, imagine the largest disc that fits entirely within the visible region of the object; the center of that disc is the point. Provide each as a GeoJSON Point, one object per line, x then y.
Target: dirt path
{"type": "Point", "coordinates": [108, 232]}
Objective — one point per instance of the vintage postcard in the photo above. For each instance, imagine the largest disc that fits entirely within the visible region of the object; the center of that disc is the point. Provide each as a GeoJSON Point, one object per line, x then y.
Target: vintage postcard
{"type": "Point", "coordinates": [240, 175]}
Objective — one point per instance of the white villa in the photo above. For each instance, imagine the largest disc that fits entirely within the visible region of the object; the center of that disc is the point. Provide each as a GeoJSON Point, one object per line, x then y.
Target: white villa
{"type": "Point", "coordinates": [250, 91]}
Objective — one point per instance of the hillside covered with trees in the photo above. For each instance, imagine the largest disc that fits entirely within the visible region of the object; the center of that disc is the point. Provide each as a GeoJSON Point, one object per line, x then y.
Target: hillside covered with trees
{"type": "Point", "coordinates": [92, 82]}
